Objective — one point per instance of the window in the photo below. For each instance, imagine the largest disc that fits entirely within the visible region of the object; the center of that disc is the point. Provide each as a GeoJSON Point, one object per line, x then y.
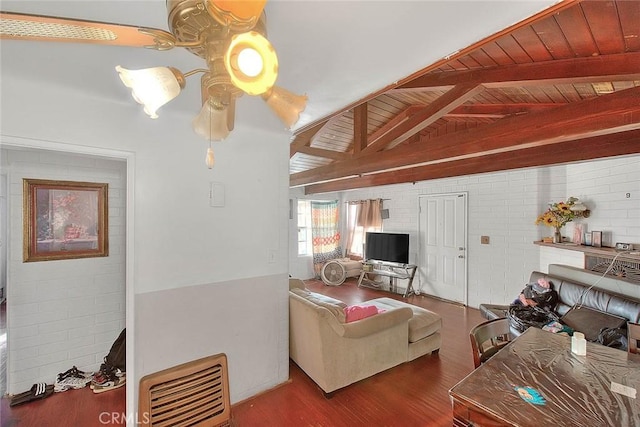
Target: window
{"type": "Point", "coordinates": [304, 228]}
{"type": "Point", "coordinates": [356, 248]}
{"type": "Point", "coordinates": [363, 216]}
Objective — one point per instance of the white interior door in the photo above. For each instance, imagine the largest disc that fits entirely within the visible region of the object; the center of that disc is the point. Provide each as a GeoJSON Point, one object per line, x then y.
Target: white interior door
{"type": "Point", "coordinates": [442, 239]}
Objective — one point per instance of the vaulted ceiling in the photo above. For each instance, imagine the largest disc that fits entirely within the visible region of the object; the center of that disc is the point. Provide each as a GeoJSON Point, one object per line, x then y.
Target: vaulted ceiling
{"type": "Point", "coordinates": [561, 87]}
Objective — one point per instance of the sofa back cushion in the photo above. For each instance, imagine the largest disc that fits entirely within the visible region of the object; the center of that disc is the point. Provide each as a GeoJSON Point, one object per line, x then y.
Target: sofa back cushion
{"type": "Point", "coordinates": [335, 307]}
{"type": "Point", "coordinates": [572, 293]}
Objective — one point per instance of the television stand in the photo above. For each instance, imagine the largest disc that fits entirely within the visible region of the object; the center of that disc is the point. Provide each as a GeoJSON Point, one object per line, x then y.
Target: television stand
{"type": "Point", "coordinates": [392, 270]}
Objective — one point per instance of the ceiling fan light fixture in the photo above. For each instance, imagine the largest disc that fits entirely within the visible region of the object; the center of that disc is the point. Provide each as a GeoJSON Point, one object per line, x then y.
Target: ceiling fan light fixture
{"type": "Point", "coordinates": [152, 87]}
{"type": "Point", "coordinates": [251, 62]}
{"type": "Point", "coordinates": [238, 15]}
{"type": "Point", "coordinates": [287, 105]}
{"type": "Point", "coordinates": [214, 123]}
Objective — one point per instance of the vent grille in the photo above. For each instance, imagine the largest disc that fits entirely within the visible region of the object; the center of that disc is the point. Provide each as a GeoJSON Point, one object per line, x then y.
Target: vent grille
{"type": "Point", "coordinates": [192, 394]}
{"type": "Point", "coordinates": [626, 270]}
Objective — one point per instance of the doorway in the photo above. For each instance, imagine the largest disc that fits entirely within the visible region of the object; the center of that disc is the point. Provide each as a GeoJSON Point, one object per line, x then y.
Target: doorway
{"type": "Point", "coordinates": [124, 224]}
{"type": "Point", "coordinates": [442, 241]}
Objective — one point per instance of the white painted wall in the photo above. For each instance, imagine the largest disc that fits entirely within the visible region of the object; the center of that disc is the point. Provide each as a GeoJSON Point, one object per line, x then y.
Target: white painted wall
{"type": "Point", "coordinates": [180, 241]}
{"type": "Point", "coordinates": [3, 228]}
{"type": "Point", "coordinates": [68, 312]}
{"type": "Point", "coordinates": [504, 206]}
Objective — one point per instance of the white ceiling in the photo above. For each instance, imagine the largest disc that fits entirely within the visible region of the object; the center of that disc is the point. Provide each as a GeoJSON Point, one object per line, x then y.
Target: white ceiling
{"type": "Point", "coordinates": [336, 52]}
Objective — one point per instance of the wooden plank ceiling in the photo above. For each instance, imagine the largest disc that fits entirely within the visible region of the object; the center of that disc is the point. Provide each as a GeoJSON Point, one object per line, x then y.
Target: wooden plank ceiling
{"type": "Point", "coordinates": [561, 87]}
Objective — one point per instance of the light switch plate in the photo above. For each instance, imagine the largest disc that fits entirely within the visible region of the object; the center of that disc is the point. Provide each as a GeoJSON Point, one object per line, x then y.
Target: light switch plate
{"type": "Point", "coordinates": [216, 194]}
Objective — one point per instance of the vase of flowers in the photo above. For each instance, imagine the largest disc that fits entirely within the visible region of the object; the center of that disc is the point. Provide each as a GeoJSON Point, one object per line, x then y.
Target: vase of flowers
{"type": "Point", "coordinates": [557, 216]}
{"type": "Point", "coordinates": [557, 236]}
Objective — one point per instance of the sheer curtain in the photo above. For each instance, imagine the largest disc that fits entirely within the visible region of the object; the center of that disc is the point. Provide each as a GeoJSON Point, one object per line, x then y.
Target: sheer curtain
{"type": "Point", "coordinates": [325, 236]}
{"type": "Point", "coordinates": [363, 216]}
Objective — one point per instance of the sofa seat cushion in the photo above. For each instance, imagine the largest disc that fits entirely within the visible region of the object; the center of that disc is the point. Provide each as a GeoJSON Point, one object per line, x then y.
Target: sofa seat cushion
{"type": "Point", "coordinates": [590, 321]}
{"type": "Point", "coordinates": [422, 324]}
{"type": "Point", "coordinates": [336, 307]}
{"type": "Point", "coordinates": [493, 311]}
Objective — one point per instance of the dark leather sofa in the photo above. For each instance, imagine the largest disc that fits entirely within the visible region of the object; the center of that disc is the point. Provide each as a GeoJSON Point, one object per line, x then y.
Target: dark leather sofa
{"type": "Point", "coordinates": [602, 308]}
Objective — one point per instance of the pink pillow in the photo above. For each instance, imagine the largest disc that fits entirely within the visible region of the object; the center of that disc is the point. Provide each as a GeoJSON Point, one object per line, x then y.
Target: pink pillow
{"type": "Point", "coordinates": [358, 312]}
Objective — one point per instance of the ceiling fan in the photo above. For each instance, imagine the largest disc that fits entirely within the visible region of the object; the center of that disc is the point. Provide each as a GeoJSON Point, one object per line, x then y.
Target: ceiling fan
{"type": "Point", "coordinates": [230, 35]}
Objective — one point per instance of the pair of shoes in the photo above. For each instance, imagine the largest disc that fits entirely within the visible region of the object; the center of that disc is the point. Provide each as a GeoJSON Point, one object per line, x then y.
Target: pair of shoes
{"type": "Point", "coordinates": [110, 384]}
{"type": "Point", "coordinates": [105, 375]}
{"type": "Point", "coordinates": [72, 379]}
{"type": "Point", "coordinates": [74, 372]}
{"type": "Point", "coordinates": [37, 391]}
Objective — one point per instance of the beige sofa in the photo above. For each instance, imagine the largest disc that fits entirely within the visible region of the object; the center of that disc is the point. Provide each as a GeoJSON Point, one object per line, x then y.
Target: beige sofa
{"type": "Point", "coordinates": [335, 353]}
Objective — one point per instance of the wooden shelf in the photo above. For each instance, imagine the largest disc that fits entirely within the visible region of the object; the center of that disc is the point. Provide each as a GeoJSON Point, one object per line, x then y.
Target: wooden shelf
{"type": "Point", "coordinates": [592, 250]}
{"type": "Point", "coordinates": [618, 264]}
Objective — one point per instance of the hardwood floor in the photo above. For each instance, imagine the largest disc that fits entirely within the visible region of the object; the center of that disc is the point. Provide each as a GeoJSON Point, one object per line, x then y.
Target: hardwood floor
{"type": "Point", "coordinates": [412, 394]}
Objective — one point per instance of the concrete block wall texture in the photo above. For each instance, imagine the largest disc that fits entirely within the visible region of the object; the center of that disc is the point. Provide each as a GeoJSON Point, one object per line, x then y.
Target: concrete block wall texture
{"type": "Point", "coordinates": [504, 206]}
{"type": "Point", "coordinates": [66, 312]}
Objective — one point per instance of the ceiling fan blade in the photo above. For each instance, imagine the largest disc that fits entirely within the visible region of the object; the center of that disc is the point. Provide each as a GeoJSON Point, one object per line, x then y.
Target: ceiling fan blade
{"type": "Point", "coordinates": [20, 26]}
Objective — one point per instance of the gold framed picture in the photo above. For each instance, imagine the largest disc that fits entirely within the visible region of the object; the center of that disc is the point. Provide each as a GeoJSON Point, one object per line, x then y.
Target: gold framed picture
{"type": "Point", "coordinates": [64, 220]}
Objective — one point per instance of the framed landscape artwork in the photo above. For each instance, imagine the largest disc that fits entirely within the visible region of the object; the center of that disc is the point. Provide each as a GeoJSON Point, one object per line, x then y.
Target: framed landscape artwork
{"type": "Point", "coordinates": [64, 220]}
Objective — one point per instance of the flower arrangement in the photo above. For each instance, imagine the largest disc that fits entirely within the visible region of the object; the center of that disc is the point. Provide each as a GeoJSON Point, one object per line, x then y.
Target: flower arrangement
{"type": "Point", "coordinates": [558, 214]}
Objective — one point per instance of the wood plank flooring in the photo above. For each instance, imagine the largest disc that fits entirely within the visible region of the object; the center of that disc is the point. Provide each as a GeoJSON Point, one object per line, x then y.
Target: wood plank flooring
{"type": "Point", "coordinates": [412, 394]}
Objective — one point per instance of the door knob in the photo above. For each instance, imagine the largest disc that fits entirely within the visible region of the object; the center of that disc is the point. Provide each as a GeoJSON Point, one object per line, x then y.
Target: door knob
{"type": "Point", "coordinates": [460, 256]}
{"type": "Point", "coordinates": [461, 249]}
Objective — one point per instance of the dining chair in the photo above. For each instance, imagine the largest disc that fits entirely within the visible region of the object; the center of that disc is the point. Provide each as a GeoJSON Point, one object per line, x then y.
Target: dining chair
{"type": "Point", "coordinates": [633, 335]}
{"type": "Point", "coordinates": [488, 338]}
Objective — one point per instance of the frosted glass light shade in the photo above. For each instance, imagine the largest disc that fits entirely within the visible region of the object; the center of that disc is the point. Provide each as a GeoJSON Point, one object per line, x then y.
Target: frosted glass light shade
{"type": "Point", "coordinates": [287, 105]}
{"type": "Point", "coordinates": [248, 75]}
{"type": "Point", "coordinates": [152, 87]}
{"type": "Point", "coordinates": [212, 123]}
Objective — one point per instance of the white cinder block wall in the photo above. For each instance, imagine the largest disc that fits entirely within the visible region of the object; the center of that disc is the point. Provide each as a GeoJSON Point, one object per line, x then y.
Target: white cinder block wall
{"type": "Point", "coordinates": [604, 186]}
{"type": "Point", "coordinates": [67, 312]}
{"type": "Point", "coordinates": [504, 206]}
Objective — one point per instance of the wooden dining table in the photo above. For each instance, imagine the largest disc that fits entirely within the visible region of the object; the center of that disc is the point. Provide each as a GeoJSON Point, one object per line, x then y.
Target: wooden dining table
{"type": "Point", "coordinates": [537, 381]}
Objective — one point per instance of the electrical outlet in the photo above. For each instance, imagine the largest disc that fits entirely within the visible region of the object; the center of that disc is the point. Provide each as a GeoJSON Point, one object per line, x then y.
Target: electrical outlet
{"type": "Point", "coordinates": [484, 240]}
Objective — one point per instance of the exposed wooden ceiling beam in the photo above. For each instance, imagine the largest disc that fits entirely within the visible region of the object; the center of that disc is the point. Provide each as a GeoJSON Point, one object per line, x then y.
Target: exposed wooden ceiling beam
{"type": "Point", "coordinates": [570, 71]}
{"type": "Point", "coordinates": [499, 110]}
{"type": "Point", "coordinates": [320, 152]}
{"type": "Point", "coordinates": [304, 138]}
{"type": "Point", "coordinates": [455, 97]}
{"type": "Point", "coordinates": [616, 112]}
{"type": "Point", "coordinates": [360, 119]}
{"type": "Point", "coordinates": [578, 150]}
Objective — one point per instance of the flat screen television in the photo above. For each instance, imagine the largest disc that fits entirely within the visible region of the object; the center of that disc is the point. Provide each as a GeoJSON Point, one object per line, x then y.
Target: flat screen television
{"type": "Point", "coordinates": [389, 247]}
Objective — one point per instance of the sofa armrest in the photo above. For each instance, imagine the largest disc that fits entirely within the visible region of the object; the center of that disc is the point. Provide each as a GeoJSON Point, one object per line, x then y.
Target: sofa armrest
{"type": "Point", "coordinates": [369, 325]}
{"type": "Point", "coordinates": [296, 284]}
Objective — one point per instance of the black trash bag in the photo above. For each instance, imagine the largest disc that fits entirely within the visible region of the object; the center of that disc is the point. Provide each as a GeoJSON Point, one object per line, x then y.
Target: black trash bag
{"type": "Point", "coordinates": [117, 356]}
{"type": "Point", "coordinates": [613, 337]}
{"type": "Point", "coordinates": [522, 317]}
